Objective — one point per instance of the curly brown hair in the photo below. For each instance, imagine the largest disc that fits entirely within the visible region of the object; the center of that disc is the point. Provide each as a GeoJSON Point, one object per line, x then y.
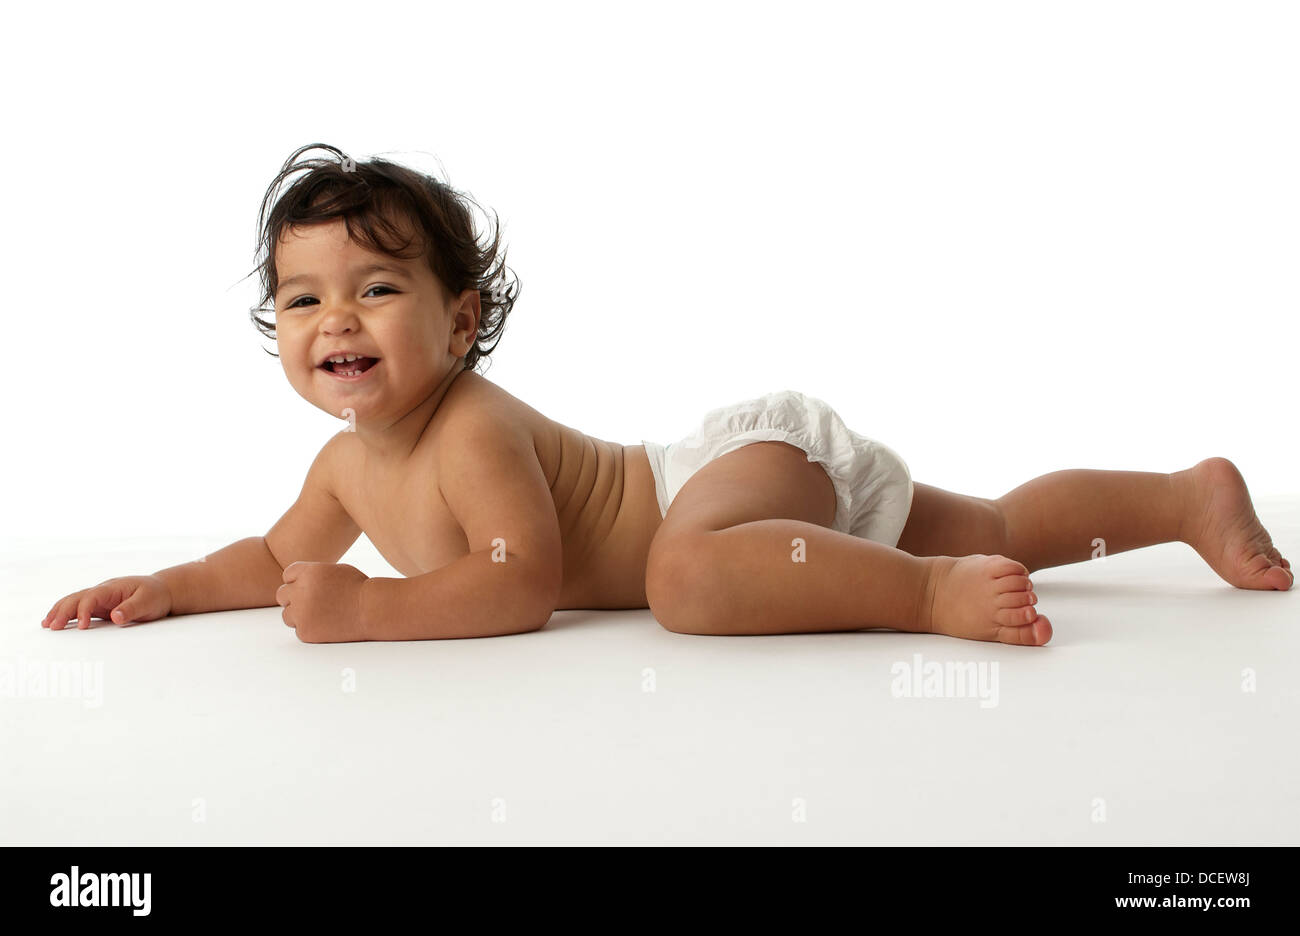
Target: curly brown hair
{"type": "Point", "coordinates": [369, 196]}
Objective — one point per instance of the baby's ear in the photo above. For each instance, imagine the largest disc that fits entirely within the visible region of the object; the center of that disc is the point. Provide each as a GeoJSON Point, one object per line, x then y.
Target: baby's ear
{"type": "Point", "coordinates": [472, 302]}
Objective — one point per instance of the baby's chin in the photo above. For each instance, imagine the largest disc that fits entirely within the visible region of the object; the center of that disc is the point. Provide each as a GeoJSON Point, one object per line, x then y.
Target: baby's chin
{"type": "Point", "coordinates": [351, 413]}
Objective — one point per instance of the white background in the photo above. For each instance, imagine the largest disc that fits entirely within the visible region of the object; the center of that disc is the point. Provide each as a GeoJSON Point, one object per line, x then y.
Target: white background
{"type": "Point", "coordinates": [1003, 238]}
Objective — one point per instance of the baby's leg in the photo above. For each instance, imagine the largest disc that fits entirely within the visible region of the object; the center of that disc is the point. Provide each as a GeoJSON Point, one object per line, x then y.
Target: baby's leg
{"type": "Point", "coordinates": [745, 549]}
{"type": "Point", "coordinates": [1073, 515]}
{"type": "Point", "coordinates": [1069, 516]}
{"type": "Point", "coordinates": [1049, 521]}
{"type": "Point", "coordinates": [1077, 514]}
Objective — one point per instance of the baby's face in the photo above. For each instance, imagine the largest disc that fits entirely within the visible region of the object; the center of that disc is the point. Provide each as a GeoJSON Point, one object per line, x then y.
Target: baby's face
{"type": "Point", "coordinates": [327, 302]}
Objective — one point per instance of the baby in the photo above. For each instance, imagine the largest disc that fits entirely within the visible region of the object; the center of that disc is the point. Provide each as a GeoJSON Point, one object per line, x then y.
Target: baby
{"type": "Point", "coordinates": [771, 517]}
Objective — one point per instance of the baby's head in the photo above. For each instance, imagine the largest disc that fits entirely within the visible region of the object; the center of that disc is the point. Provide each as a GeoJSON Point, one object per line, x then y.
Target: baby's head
{"type": "Point", "coordinates": [438, 306]}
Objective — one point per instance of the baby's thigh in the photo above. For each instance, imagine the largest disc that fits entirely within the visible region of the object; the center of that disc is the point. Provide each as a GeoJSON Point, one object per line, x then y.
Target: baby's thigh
{"type": "Point", "coordinates": [759, 481]}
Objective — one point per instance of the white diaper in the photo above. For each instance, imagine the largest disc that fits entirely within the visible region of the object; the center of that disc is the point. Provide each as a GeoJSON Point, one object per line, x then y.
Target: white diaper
{"type": "Point", "coordinates": [873, 487]}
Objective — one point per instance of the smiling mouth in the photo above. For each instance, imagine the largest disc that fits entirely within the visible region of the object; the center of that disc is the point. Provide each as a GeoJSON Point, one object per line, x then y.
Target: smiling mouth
{"type": "Point", "coordinates": [350, 368]}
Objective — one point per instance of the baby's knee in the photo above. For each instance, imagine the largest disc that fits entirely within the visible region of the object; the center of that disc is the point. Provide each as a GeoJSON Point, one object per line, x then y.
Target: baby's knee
{"type": "Point", "coordinates": [677, 574]}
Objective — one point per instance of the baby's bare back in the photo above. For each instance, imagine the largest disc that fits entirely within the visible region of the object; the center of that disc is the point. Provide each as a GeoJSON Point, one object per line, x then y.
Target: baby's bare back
{"type": "Point", "coordinates": [603, 493]}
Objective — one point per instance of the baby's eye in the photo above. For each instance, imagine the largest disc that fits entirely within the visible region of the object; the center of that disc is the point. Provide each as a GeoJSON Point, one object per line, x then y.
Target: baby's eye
{"type": "Point", "coordinates": [296, 301]}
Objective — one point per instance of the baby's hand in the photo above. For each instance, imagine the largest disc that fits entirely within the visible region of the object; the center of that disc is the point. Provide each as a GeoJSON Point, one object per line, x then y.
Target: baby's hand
{"type": "Point", "coordinates": [129, 598]}
{"type": "Point", "coordinates": [322, 601]}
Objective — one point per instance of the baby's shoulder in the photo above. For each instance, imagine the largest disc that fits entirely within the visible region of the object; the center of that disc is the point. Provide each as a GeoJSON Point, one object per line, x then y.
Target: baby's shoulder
{"type": "Point", "coordinates": [338, 461]}
{"type": "Point", "coordinates": [486, 442]}
{"type": "Point", "coordinates": [481, 414]}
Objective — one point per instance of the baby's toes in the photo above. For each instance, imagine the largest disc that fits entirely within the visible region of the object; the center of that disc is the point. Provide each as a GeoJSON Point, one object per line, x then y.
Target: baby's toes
{"type": "Point", "coordinates": [1012, 583]}
{"type": "Point", "coordinates": [1263, 572]}
{"type": "Point", "coordinates": [1015, 599]}
{"type": "Point", "coordinates": [1015, 617]}
{"type": "Point", "coordinates": [1002, 567]}
{"type": "Point", "coordinates": [1027, 635]}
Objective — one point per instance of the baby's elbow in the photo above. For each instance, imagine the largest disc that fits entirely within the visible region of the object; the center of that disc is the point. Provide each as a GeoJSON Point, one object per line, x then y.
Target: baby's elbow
{"type": "Point", "coordinates": [542, 590]}
{"type": "Point", "coordinates": [535, 615]}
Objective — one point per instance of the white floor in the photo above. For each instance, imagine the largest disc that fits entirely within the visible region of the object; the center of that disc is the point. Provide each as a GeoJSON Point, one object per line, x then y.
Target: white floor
{"type": "Point", "coordinates": [1134, 726]}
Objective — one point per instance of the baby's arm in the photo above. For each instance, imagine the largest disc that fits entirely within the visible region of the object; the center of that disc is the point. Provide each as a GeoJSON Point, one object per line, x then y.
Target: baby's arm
{"type": "Point", "coordinates": [248, 573]}
{"type": "Point", "coordinates": [510, 582]}
{"type": "Point", "coordinates": [245, 574]}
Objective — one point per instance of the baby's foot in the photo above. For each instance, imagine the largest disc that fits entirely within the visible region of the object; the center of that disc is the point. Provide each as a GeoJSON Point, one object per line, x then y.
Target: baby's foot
{"type": "Point", "coordinates": [983, 598]}
{"type": "Point", "coordinates": [1219, 522]}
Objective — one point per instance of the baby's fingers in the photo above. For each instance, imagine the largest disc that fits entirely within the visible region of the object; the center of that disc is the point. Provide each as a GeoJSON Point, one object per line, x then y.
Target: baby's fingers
{"type": "Point", "coordinates": [98, 603]}
{"type": "Point", "coordinates": [82, 606]}
{"type": "Point", "coordinates": [62, 611]}
{"type": "Point", "coordinates": [85, 610]}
